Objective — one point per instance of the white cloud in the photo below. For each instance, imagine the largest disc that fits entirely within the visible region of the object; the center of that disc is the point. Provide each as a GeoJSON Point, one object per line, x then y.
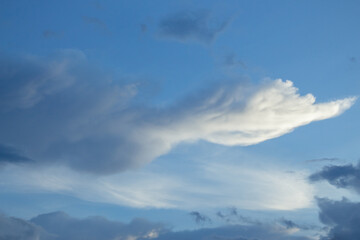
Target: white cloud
{"type": "Point", "coordinates": [69, 113]}
{"type": "Point", "coordinates": [205, 185]}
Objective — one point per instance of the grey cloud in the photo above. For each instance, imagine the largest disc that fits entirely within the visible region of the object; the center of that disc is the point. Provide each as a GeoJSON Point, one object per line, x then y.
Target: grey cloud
{"type": "Point", "coordinates": [18, 229]}
{"type": "Point", "coordinates": [66, 227]}
{"type": "Point", "coordinates": [345, 176]}
{"type": "Point", "coordinates": [60, 226]}
{"type": "Point", "coordinates": [234, 232]}
{"type": "Point", "coordinates": [343, 218]}
{"type": "Point", "coordinates": [191, 26]}
{"type": "Point", "coordinates": [200, 218]}
{"type": "Point", "coordinates": [12, 155]}
{"type": "Point", "coordinates": [231, 215]}
{"type": "Point", "coordinates": [72, 113]}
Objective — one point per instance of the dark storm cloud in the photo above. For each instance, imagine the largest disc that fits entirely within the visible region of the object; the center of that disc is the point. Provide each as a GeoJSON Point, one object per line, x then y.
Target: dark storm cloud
{"type": "Point", "coordinates": [345, 176]}
{"type": "Point", "coordinates": [191, 26]}
{"type": "Point", "coordinates": [200, 218]}
{"type": "Point", "coordinates": [343, 218]}
{"type": "Point", "coordinates": [12, 155]}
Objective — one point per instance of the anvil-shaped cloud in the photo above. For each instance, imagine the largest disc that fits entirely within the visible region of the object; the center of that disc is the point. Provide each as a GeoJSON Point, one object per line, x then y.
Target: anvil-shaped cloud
{"type": "Point", "coordinates": [69, 113]}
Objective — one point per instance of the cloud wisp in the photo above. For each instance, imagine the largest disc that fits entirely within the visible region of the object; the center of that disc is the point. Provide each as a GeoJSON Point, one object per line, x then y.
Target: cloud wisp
{"type": "Point", "coordinates": [190, 26]}
{"type": "Point", "coordinates": [74, 115]}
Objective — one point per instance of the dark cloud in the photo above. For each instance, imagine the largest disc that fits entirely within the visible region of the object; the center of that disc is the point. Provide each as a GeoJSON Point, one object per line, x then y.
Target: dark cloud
{"type": "Point", "coordinates": [200, 218]}
{"type": "Point", "coordinates": [12, 155]}
{"type": "Point", "coordinates": [342, 217]}
{"type": "Point", "coordinates": [191, 26]}
{"type": "Point", "coordinates": [345, 176]}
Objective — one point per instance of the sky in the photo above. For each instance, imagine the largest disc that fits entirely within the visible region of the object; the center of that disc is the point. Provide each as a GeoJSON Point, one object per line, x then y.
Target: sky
{"type": "Point", "coordinates": [212, 120]}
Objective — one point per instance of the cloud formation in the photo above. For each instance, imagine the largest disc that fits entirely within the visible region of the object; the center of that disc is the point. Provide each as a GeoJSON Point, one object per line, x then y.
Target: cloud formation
{"type": "Point", "coordinates": [343, 218]}
{"type": "Point", "coordinates": [188, 26]}
{"type": "Point", "coordinates": [60, 226]}
{"type": "Point", "coordinates": [19, 229]}
{"type": "Point", "coordinates": [345, 176]}
{"type": "Point", "coordinates": [12, 155]}
{"type": "Point", "coordinates": [72, 114]}
{"type": "Point", "coordinates": [200, 218]}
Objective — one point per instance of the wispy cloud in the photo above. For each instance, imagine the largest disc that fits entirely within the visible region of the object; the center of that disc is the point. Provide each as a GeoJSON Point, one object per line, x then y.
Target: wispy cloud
{"type": "Point", "coordinates": [188, 26]}
{"type": "Point", "coordinates": [205, 186]}
{"type": "Point", "coordinates": [200, 218]}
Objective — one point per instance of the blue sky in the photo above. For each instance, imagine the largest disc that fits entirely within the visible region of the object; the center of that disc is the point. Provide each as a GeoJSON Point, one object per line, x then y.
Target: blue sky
{"type": "Point", "coordinates": [179, 119]}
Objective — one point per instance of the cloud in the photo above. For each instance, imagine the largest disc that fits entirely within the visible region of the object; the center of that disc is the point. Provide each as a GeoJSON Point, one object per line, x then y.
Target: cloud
{"type": "Point", "coordinates": [236, 232]}
{"type": "Point", "coordinates": [19, 229]}
{"type": "Point", "coordinates": [66, 227]}
{"type": "Point", "coordinates": [12, 155]}
{"type": "Point", "coordinates": [343, 218]}
{"type": "Point", "coordinates": [70, 112]}
{"type": "Point", "coordinates": [200, 218]}
{"type": "Point", "coordinates": [188, 26]}
{"type": "Point", "coordinates": [205, 185]}
{"type": "Point", "coordinates": [61, 226]}
{"type": "Point", "coordinates": [345, 176]}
